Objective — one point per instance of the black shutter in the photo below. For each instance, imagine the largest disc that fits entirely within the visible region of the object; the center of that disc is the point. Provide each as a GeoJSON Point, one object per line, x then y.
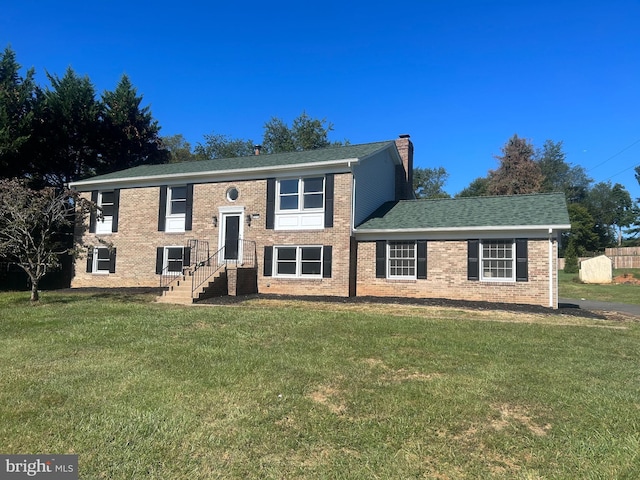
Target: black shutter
{"type": "Point", "coordinates": [116, 208]}
{"type": "Point", "coordinates": [90, 260]}
{"type": "Point", "coordinates": [422, 259]}
{"type": "Point", "coordinates": [473, 260]}
{"type": "Point", "coordinates": [522, 261]}
{"type": "Point", "coordinates": [159, 260]}
{"type": "Point", "coordinates": [381, 259]}
{"type": "Point", "coordinates": [112, 261]}
{"type": "Point", "coordinates": [271, 203]}
{"type": "Point", "coordinates": [186, 257]}
{"type": "Point", "coordinates": [162, 210]}
{"type": "Point", "coordinates": [268, 261]}
{"type": "Point", "coordinates": [326, 261]}
{"type": "Point", "coordinates": [92, 216]}
{"type": "Point", "coordinates": [188, 218]}
{"type": "Point", "coordinates": [328, 201]}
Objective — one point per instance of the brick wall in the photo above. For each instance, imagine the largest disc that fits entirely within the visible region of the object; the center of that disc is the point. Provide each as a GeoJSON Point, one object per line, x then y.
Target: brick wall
{"type": "Point", "coordinates": [138, 236]}
{"type": "Point", "coordinates": [447, 276]}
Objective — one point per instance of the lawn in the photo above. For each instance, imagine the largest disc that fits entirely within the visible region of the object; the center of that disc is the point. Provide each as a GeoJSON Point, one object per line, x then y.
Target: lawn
{"type": "Point", "coordinates": [274, 389]}
{"type": "Point", "coordinates": [570, 287]}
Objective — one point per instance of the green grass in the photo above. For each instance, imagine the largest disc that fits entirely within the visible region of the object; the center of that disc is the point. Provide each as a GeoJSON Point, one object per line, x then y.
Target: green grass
{"type": "Point", "coordinates": [570, 287]}
{"type": "Point", "coordinates": [299, 390]}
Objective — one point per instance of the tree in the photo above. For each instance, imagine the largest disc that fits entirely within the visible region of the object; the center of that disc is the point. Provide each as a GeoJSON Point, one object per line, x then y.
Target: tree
{"type": "Point", "coordinates": [429, 182]}
{"type": "Point", "coordinates": [31, 222]}
{"type": "Point", "coordinates": [66, 143]}
{"type": "Point", "coordinates": [222, 146]}
{"type": "Point", "coordinates": [129, 134]}
{"type": "Point", "coordinates": [612, 210]}
{"type": "Point", "coordinates": [477, 188]}
{"type": "Point", "coordinates": [518, 173]}
{"type": "Point", "coordinates": [179, 149]}
{"type": "Point", "coordinates": [560, 176]}
{"type": "Point", "coordinates": [583, 236]}
{"type": "Point", "coordinates": [17, 101]}
{"type": "Point", "coordinates": [305, 133]}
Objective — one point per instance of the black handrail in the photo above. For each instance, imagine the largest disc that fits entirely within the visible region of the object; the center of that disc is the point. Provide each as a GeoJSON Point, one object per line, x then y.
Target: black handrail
{"type": "Point", "coordinates": [203, 271]}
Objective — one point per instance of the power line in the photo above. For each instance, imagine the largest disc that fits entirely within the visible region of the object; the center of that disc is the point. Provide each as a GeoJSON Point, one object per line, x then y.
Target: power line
{"type": "Point", "coordinates": [614, 156]}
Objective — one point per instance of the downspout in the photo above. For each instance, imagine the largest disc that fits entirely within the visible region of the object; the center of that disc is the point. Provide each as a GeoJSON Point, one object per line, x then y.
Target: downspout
{"type": "Point", "coordinates": [551, 304]}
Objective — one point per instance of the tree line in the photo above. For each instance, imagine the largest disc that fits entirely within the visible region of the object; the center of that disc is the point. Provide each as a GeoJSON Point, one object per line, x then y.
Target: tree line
{"type": "Point", "coordinates": [65, 131]}
{"type": "Point", "coordinates": [602, 214]}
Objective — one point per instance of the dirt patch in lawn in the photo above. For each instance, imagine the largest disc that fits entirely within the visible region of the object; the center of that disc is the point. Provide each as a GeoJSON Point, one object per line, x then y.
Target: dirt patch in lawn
{"type": "Point", "coordinates": [626, 279]}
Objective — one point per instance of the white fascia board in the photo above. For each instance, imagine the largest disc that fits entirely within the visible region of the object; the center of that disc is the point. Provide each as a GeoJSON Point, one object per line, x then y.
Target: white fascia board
{"type": "Point", "coordinates": [541, 231]}
{"type": "Point", "coordinates": [332, 166]}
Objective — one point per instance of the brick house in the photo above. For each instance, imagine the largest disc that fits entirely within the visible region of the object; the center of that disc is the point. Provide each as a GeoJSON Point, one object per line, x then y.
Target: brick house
{"type": "Point", "coordinates": [339, 221]}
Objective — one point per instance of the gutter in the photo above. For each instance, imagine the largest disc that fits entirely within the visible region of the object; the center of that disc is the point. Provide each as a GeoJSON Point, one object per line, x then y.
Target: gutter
{"type": "Point", "coordinates": [214, 175]}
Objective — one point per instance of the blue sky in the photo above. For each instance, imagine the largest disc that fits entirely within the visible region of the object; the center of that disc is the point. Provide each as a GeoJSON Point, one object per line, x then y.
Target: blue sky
{"type": "Point", "coordinates": [461, 77]}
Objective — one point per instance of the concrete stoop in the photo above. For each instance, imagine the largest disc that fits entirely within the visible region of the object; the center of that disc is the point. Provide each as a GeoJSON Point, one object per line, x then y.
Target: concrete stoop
{"type": "Point", "coordinates": [179, 292]}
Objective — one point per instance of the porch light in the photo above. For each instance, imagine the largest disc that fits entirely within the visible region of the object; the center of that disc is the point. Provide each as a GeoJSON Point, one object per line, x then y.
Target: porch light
{"type": "Point", "coordinates": [215, 221]}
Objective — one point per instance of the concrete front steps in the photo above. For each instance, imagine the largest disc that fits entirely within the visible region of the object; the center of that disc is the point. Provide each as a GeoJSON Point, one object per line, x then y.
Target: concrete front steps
{"type": "Point", "coordinates": [179, 291]}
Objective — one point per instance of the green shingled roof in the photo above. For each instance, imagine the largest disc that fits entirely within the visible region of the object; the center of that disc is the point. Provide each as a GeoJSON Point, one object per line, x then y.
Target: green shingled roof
{"type": "Point", "coordinates": [542, 210]}
{"type": "Point", "coordinates": [246, 163]}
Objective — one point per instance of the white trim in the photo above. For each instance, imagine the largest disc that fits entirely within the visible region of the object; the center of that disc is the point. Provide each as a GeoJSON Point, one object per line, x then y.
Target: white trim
{"type": "Point", "coordinates": [231, 211]}
{"type": "Point", "coordinates": [551, 268]}
{"type": "Point", "coordinates": [415, 261]}
{"type": "Point", "coordinates": [95, 263]}
{"type": "Point", "coordinates": [513, 260]}
{"type": "Point", "coordinates": [165, 259]}
{"type": "Point", "coordinates": [298, 262]}
{"type": "Point", "coordinates": [458, 233]}
{"type": "Point", "coordinates": [218, 176]}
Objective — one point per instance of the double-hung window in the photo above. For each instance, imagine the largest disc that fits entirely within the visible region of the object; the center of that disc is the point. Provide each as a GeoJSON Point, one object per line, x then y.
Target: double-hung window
{"type": "Point", "coordinates": [300, 204]}
{"type": "Point", "coordinates": [301, 194]}
{"type": "Point", "coordinates": [298, 261]}
{"type": "Point", "coordinates": [176, 209]}
{"type": "Point", "coordinates": [101, 260]}
{"type": "Point", "coordinates": [402, 259]}
{"type": "Point", "coordinates": [497, 260]}
{"type": "Point", "coordinates": [171, 260]}
{"type": "Point", "coordinates": [106, 202]}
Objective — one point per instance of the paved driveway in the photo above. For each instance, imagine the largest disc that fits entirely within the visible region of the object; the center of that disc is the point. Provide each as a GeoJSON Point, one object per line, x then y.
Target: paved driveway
{"type": "Point", "coordinates": [600, 306]}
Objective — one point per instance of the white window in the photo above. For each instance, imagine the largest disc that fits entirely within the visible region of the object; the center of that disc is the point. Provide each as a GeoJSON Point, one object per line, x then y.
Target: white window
{"type": "Point", "coordinates": [102, 260]}
{"type": "Point", "coordinates": [106, 202]}
{"type": "Point", "coordinates": [301, 194]}
{"type": "Point", "coordinates": [497, 260]}
{"type": "Point", "coordinates": [300, 204]}
{"type": "Point", "coordinates": [176, 209]}
{"type": "Point", "coordinates": [298, 261]}
{"type": "Point", "coordinates": [402, 260]}
{"type": "Point", "coordinates": [173, 260]}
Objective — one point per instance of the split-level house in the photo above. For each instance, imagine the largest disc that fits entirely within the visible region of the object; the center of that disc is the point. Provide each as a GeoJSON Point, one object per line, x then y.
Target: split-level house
{"type": "Point", "coordinates": [340, 221]}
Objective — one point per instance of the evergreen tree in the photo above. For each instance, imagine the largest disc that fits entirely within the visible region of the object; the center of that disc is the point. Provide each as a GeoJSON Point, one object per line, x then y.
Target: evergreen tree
{"type": "Point", "coordinates": [518, 173]}
{"type": "Point", "coordinates": [17, 101]}
{"type": "Point", "coordinates": [560, 176]}
{"type": "Point", "coordinates": [130, 135]}
{"type": "Point", "coordinates": [66, 142]}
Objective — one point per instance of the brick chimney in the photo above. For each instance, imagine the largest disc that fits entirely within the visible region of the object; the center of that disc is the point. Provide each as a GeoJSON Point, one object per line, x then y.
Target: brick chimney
{"type": "Point", "coordinates": [404, 177]}
{"type": "Point", "coordinates": [256, 149]}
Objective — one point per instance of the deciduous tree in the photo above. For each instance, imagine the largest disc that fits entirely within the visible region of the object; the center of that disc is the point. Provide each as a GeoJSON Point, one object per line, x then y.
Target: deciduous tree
{"type": "Point", "coordinates": [32, 226]}
{"type": "Point", "coordinates": [430, 182]}
{"type": "Point", "coordinates": [222, 146]}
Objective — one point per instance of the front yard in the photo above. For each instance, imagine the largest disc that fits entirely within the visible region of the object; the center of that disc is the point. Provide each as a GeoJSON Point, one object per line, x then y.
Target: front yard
{"type": "Point", "coordinates": [274, 389]}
